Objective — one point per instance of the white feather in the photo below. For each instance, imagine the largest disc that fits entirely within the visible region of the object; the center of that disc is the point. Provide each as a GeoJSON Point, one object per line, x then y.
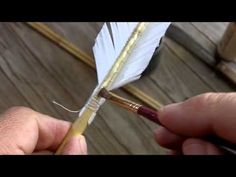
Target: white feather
{"type": "Point", "coordinates": [108, 47]}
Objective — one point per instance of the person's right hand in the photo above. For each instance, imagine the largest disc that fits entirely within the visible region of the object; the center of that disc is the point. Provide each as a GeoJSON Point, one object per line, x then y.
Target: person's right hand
{"type": "Point", "coordinates": [211, 113]}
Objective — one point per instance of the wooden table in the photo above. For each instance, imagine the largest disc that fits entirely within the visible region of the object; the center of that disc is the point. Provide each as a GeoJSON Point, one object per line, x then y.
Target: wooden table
{"type": "Point", "coordinates": [34, 72]}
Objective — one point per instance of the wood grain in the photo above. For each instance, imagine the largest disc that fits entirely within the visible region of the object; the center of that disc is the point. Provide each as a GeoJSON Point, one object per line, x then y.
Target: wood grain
{"type": "Point", "coordinates": [229, 69]}
{"type": "Point", "coordinates": [204, 39]}
{"type": "Point", "coordinates": [82, 35]}
{"type": "Point", "coordinates": [193, 40]}
{"type": "Point", "coordinates": [35, 71]}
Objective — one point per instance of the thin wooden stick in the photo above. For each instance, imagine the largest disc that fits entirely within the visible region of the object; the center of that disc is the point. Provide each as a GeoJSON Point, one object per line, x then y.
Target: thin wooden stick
{"type": "Point", "coordinates": [79, 54]}
{"type": "Point", "coordinates": [142, 96]}
{"type": "Point", "coordinates": [63, 43]}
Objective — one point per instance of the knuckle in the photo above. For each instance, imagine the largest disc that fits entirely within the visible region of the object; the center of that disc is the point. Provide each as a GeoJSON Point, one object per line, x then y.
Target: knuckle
{"type": "Point", "coordinates": [19, 109]}
{"type": "Point", "coordinates": [212, 100]}
{"type": "Point", "coordinates": [207, 99]}
{"type": "Point", "coordinates": [19, 114]}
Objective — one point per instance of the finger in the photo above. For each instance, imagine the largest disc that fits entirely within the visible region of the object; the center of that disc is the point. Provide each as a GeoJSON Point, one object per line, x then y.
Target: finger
{"type": "Point", "coordinates": [75, 146]}
{"type": "Point", "coordinates": [199, 147]}
{"type": "Point", "coordinates": [51, 132]}
{"type": "Point", "coordinates": [203, 114]}
{"type": "Point", "coordinates": [23, 129]}
{"type": "Point", "coordinates": [19, 131]}
{"type": "Point", "coordinates": [168, 139]}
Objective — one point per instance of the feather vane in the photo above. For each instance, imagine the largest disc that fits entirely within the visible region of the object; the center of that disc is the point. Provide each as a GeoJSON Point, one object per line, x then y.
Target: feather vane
{"type": "Point", "coordinates": [109, 46]}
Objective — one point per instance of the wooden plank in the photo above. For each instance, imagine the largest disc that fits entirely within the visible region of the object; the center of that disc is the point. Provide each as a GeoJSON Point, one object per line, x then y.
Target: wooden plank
{"type": "Point", "coordinates": [204, 38]}
{"type": "Point", "coordinates": [37, 72]}
{"type": "Point", "coordinates": [214, 32]}
{"type": "Point", "coordinates": [211, 30]}
{"type": "Point", "coordinates": [181, 75]}
{"type": "Point", "coordinates": [56, 38]}
{"type": "Point", "coordinates": [176, 79]}
{"type": "Point", "coordinates": [229, 69]}
{"type": "Point", "coordinates": [194, 41]}
{"type": "Point", "coordinates": [208, 75]}
{"type": "Point", "coordinates": [82, 35]}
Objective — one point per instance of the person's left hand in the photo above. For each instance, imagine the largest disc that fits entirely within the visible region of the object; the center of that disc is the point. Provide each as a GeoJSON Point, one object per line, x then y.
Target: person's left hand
{"type": "Point", "coordinates": [24, 131]}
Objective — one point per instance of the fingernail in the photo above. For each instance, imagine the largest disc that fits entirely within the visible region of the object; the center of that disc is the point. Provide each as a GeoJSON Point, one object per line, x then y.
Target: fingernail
{"type": "Point", "coordinates": [170, 111]}
{"type": "Point", "coordinates": [75, 146]}
{"type": "Point", "coordinates": [83, 145]}
{"type": "Point", "coordinates": [194, 149]}
{"type": "Point", "coordinates": [170, 107]}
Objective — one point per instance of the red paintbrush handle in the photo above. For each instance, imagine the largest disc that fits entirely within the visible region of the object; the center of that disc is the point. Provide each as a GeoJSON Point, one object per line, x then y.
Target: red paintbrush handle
{"type": "Point", "coordinates": [148, 113]}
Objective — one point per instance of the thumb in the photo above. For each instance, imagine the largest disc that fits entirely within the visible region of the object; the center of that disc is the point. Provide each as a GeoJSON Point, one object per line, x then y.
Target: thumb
{"type": "Point", "coordinates": [75, 146]}
{"type": "Point", "coordinates": [211, 113]}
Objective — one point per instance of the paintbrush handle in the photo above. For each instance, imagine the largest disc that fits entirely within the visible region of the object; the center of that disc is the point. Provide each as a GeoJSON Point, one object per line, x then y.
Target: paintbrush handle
{"type": "Point", "coordinates": [226, 146]}
{"type": "Point", "coordinates": [149, 113]}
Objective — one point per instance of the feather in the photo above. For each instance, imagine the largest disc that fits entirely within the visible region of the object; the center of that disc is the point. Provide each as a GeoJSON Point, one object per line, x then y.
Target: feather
{"type": "Point", "coordinates": [108, 47]}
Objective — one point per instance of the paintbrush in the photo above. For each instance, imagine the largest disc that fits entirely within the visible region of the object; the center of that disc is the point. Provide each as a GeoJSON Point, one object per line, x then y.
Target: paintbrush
{"type": "Point", "coordinates": [152, 115]}
{"type": "Point", "coordinates": [149, 113]}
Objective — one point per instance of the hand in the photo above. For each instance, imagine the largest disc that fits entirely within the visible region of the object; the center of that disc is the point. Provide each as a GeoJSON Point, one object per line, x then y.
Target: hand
{"type": "Point", "coordinates": [24, 131]}
{"type": "Point", "coordinates": [205, 114]}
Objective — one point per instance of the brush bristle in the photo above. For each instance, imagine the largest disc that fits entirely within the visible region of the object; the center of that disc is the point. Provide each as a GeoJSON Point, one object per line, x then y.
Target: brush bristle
{"type": "Point", "coordinates": [104, 93]}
